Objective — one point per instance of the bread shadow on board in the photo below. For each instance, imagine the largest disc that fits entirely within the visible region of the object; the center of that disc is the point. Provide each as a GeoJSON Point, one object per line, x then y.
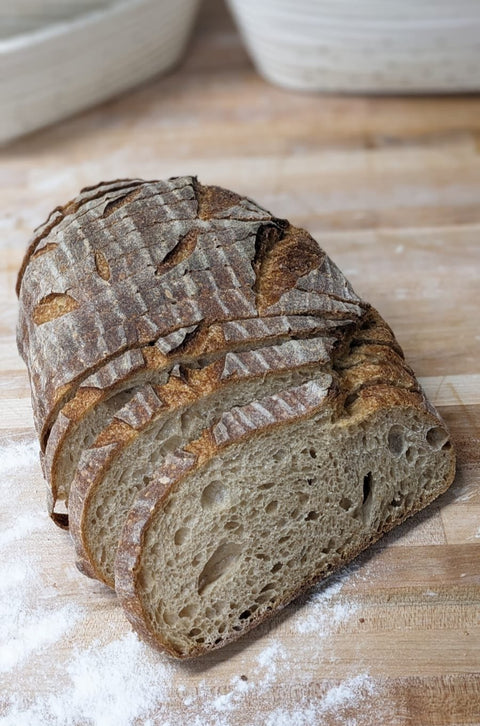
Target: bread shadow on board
{"type": "Point", "coordinates": [407, 532]}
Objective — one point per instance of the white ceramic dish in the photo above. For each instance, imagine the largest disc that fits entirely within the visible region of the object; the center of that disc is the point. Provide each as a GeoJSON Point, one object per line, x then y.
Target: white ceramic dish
{"type": "Point", "coordinates": [25, 16]}
{"type": "Point", "coordinates": [63, 67]}
{"type": "Point", "coordinates": [380, 46]}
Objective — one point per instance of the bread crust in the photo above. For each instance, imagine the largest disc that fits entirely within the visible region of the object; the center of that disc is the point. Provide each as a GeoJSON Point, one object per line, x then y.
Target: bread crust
{"type": "Point", "coordinates": [136, 229]}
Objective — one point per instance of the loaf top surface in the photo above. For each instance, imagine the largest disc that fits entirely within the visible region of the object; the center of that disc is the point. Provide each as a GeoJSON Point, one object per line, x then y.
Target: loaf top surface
{"type": "Point", "coordinates": [129, 262]}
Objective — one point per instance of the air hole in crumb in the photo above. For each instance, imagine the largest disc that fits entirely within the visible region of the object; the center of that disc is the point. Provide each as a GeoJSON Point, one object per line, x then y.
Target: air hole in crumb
{"type": "Point", "coordinates": [396, 441]}
{"type": "Point", "coordinates": [267, 485]}
{"type": "Point", "coordinates": [215, 495]}
{"type": "Point", "coordinates": [237, 627]}
{"type": "Point", "coordinates": [271, 507]}
{"type": "Point", "coordinates": [168, 618]}
{"type": "Point", "coordinates": [345, 503]}
{"type": "Point", "coordinates": [294, 514]}
{"type": "Point", "coordinates": [313, 453]}
{"type": "Point", "coordinates": [396, 501]}
{"type": "Point", "coordinates": [310, 482]}
{"type": "Point", "coordinates": [194, 631]}
{"type": "Point", "coordinates": [269, 586]}
{"type": "Point", "coordinates": [222, 560]}
{"type": "Point", "coordinates": [187, 612]}
{"type": "Point", "coordinates": [181, 535]}
{"type": "Point", "coordinates": [367, 486]}
{"type": "Point", "coordinates": [410, 455]}
{"type": "Point", "coordinates": [277, 566]}
{"type": "Point", "coordinates": [233, 524]}
{"type": "Point", "coordinates": [217, 641]}
{"type": "Point", "coordinates": [330, 545]}
{"type": "Point", "coordinates": [196, 560]}
{"type": "Point", "coordinates": [146, 480]}
{"type": "Point", "coordinates": [246, 614]}
{"type": "Point", "coordinates": [312, 516]}
{"type": "Point", "coordinates": [283, 539]}
{"type": "Point", "coordinates": [437, 437]}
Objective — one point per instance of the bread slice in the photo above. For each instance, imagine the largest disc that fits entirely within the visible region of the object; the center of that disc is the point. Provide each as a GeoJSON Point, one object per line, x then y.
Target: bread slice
{"type": "Point", "coordinates": [275, 496]}
{"type": "Point", "coordinates": [105, 392]}
{"type": "Point", "coordinates": [158, 420]}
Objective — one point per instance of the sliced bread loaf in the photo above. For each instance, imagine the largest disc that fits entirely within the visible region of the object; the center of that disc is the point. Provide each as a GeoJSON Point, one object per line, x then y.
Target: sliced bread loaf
{"type": "Point", "coordinates": [269, 500]}
{"type": "Point", "coordinates": [218, 393]}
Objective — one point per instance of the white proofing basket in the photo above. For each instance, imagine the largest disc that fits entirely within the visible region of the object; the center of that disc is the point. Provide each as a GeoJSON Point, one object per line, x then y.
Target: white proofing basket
{"type": "Point", "coordinates": [379, 46]}
{"type": "Point", "coordinates": [63, 67]}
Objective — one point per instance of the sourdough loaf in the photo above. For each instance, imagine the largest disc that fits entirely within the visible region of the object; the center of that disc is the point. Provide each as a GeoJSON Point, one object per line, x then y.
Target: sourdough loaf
{"type": "Point", "coordinates": [208, 389]}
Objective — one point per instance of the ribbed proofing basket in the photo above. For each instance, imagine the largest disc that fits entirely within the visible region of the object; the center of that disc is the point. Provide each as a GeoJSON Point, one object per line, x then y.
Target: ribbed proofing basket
{"type": "Point", "coordinates": [379, 46]}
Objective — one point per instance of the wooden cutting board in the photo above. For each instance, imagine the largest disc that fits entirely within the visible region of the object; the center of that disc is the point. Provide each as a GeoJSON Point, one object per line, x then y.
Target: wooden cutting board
{"type": "Point", "coordinates": [391, 188]}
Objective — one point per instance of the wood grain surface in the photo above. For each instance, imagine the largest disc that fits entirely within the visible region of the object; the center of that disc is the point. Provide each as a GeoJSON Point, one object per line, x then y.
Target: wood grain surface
{"type": "Point", "coordinates": [391, 189]}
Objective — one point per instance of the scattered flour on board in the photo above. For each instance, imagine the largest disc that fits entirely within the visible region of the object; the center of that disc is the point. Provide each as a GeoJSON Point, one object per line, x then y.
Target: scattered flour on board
{"type": "Point", "coordinates": [17, 457]}
{"type": "Point", "coordinates": [353, 693]}
{"type": "Point", "coordinates": [26, 627]}
{"type": "Point", "coordinates": [111, 685]}
{"type": "Point", "coordinates": [325, 610]}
